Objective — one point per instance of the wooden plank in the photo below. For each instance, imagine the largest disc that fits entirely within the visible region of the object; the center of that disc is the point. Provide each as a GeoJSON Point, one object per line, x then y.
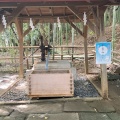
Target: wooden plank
{"type": "Point", "coordinates": [115, 52]}
{"type": "Point", "coordinates": [11, 86]}
{"type": "Point", "coordinates": [19, 26]}
{"type": "Point", "coordinates": [64, 46]}
{"type": "Point", "coordinates": [44, 0]}
{"type": "Point", "coordinates": [42, 84]}
{"type": "Point", "coordinates": [95, 83]}
{"type": "Point", "coordinates": [61, 53]}
{"type": "Point", "coordinates": [10, 4]}
{"type": "Point", "coordinates": [85, 48]}
{"type": "Point", "coordinates": [116, 60]}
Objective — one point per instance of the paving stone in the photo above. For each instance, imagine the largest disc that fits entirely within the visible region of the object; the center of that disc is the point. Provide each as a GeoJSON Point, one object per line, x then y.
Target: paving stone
{"type": "Point", "coordinates": [1, 118]}
{"type": "Point", "coordinates": [114, 116]}
{"type": "Point", "coordinates": [17, 115]}
{"type": "Point", "coordinates": [93, 116]}
{"type": "Point", "coordinates": [102, 106]}
{"type": "Point", "coordinates": [116, 103]}
{"type": "Point", "coordinates": [5, 111]}
{"type": "Point", "coordinates": [39, 108]}
{"type": "Point", "coordinates": [78, 106]}
{"type": "Point", "coordinates": [60, 116]}
{"type": "Point", "coordinates": [13, 118]}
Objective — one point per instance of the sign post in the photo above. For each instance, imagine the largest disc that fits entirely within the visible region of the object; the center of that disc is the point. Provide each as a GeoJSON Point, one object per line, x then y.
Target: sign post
{"type": "Point", "coordinates": [103, 57]}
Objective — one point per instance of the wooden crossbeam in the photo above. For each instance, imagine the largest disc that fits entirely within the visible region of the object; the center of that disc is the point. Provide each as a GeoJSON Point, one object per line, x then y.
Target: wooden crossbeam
{"type": "Point", "coordinates": [29, 29]}
{"type": "Point", "coordinates": [15, 13]}
{"type": "Point", "coordinates": [74, 26]}
{"type": "Point", "coordinates": [58, 4]}
{"type": "Point", "coordinates": [75, 11]}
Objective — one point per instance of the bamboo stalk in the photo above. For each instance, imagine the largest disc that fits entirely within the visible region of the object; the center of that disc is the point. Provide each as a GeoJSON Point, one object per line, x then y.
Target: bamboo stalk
{"type": "Point", "coordinates": [113, 28]}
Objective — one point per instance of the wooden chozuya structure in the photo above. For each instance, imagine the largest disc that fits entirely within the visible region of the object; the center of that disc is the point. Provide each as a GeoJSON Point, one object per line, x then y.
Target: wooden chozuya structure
{"type": "Point", "coordinates": [70, 11]}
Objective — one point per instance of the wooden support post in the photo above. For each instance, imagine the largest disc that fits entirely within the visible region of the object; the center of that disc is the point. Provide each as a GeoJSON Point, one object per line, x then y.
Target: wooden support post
{"type": "Point", "coordinates": [19, 26]}
{"type": "Point", "coordinates": [66, 33]}
{"type": "Point", "coordinates": [72, 43]}
{"type": "Point", "coordinates": [32, 49]}
{"type": "Point", "coordinates": [72, 53]}
{"type": "Point", "coordinates": [61, 53]}
{"type": "Point", "coordinates": [53, 52]}
{"type": "Point", "coordinates": [85, 29]}
{"type": "Point", "coordinates": [27, 62]}
{"type": "Point", "coordinates": [104, 80]}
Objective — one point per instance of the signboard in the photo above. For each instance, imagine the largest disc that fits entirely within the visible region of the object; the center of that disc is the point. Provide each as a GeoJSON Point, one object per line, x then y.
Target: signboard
{"type": "Point", "coordinates": [103, 53]}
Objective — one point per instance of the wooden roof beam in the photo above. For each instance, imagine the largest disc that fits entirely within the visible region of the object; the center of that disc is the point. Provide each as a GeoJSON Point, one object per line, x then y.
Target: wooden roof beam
{"type": "Point", "coordinates": [14, 14]}
{"type": "Point", "coordinates": [52, 4]}
{"type": "Point", "coordinates": [75, 11]}
{"type": "Point", "coordinates": [113, 1]}
{"type": "Point", "coordinates": [27, 11]}
{"type": "Point", "coordinates": [40, 13]}
{"type": "Point", "coordinates": [74, 26]}
{"type": "Point", "coordinates": [51, 11]}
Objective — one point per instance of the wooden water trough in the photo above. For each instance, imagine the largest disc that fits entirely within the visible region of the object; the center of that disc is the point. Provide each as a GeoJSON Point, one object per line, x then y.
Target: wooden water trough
{"type": "Point", "coordinates": [57, 81]}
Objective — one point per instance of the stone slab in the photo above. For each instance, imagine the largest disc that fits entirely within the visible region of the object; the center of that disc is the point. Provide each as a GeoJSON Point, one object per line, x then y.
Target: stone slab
{"type": "Point", "coordinates": [60, 64]}
{"type": "Point", "coordinates": [73, 71]}
{"type": "Point", "coordinates": [60, 116]}
{"type": "Point", "coordinates": [39, 108]}
{"type": "Point", "coordinates": [116, 103]}
{"type": "Point", "coordinates": [1, 118]}
{"type": "Point", "coordinates": [78, 106]}
{"type": "Point", "coordinates": [5, 111]}
{"type": "Point", "coordinates": [13, 118]}
{"type": "Point", "coordinates": [114, 116]}
{"type": "Point", "coordinates": [18, 114]}
{"type": "Point", "coordinates": [102, 106]}
{"type": "Point", "coordinates": [93, 116]}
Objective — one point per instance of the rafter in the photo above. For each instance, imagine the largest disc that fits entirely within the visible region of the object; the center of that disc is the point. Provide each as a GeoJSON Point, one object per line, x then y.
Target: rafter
{"type": "Point", "coordinates": [58, 4]}
{"type": "Point", "coordinates": [27, 11]}
{"type": "Point", "coordinates": [40, 13]}
{"type": "Point", "coordinates": [51, 11]}
{"type": "Point", "coordinates": [14, 14]}
{"type": "Point", "coordinates": [75, 11]}
{"type": "Point", "coordinates": [74, 26]}
{"type": "Point", "coordinates": [64, 13]}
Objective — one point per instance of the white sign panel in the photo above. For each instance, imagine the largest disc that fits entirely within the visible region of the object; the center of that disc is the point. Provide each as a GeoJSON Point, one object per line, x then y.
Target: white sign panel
{"type": "Point", "coordinates": [103, 53]}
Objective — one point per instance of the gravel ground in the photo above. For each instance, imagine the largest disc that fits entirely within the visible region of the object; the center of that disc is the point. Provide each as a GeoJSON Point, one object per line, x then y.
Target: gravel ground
{"type": "Point", "coordinates": [17, 93]}
{"type": "Point", "coordinates": [83, 88]}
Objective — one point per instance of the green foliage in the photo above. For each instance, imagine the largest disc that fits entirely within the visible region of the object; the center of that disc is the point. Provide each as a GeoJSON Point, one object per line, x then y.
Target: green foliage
{"type": "Point", "coordinates": [108, 16]}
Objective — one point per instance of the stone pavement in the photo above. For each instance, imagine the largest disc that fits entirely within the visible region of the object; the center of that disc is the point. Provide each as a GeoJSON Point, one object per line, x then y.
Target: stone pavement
{"type": "Point", "coordinates": [65, 109]}
{"type": "Point", "coordinates": [60, 110]}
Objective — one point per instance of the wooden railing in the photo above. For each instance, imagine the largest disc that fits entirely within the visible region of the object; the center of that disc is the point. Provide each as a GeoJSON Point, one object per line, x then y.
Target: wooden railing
{"type": "Point", "coordinates": [114, 59]}
{"type": "Point", "coordinates": [61, 54]}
